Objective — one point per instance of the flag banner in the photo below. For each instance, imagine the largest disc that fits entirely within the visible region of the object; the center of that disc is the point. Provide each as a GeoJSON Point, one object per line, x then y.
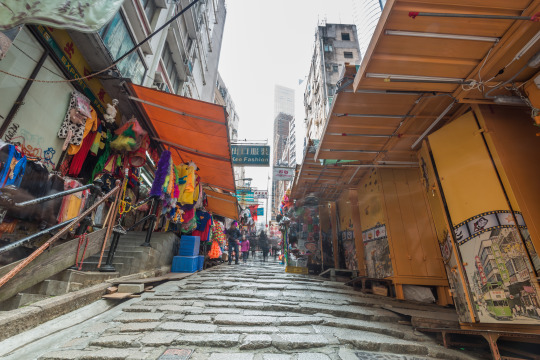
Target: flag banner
{"type": "Point", "coordinates": [79, 15]}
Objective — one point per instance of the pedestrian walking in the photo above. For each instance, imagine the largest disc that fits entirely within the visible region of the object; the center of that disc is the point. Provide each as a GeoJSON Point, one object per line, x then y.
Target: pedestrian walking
{"type": "Point", "coordinates": [245, 248]}
{"type": "Point", "coordinates": [233, 238]}
{"type": "Point", "coordinates": [263, 243]}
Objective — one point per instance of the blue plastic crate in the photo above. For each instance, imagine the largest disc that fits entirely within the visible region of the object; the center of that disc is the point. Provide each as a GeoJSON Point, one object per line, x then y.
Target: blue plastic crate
{"type": "Point", "coordinates": [201, 262]}
{"type": "Point", "coordinates": [185, 264]}
{"type": "Point", "coordinates": [189, 245]}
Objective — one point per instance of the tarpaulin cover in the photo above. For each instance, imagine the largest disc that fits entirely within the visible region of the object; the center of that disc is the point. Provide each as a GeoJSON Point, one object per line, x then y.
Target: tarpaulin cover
{"type": "Point", "coordinates": [222, 204]}
{"type": "Point", "coordinates": [200, 128]}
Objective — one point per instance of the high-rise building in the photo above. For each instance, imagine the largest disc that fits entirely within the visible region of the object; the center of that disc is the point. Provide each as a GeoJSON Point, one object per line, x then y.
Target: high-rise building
{"type": "Point", "coordinates": [283, 100]}
{"type": "Point", "coordinates": [366, 14]}
{"type": "Point", "coordinates": [281, 134]}
{"type": "Point", "coordinates": [335, 45]}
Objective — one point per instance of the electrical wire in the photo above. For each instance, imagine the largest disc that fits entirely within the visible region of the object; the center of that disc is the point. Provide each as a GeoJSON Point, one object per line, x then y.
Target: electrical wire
{"type": "Point", "coordinates": [114, 62]}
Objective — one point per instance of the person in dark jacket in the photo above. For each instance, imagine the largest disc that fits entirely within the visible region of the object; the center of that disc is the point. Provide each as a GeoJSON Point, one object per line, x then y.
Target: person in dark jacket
{"type": "Point", "coordinates": [263, 243]}
{"type": "Point", "coordinates": [233, 238]}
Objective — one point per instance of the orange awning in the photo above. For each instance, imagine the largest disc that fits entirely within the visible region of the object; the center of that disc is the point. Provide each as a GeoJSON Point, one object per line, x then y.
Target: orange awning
{"type": "Point", "coordinates": [222, 204]}
{"type": "Point", "coordinates": [193, 130]}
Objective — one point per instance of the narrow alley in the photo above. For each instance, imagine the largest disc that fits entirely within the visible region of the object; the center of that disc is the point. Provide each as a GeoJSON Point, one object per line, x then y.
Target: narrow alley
{"type": "Point", "coordinates": [247, 311]}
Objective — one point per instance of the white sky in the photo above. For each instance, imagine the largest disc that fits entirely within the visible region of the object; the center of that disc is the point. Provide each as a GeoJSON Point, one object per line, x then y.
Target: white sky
{"type": "Point", "coordinates": [269, 42]}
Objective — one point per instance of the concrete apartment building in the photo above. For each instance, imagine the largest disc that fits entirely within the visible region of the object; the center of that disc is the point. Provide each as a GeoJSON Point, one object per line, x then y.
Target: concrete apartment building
{"type": "Point", "coordinates": [182, 59]}
{"type": "Point", "coordinates": [335, 45]}
{"type": "Point", "coordinates": [223, 97]}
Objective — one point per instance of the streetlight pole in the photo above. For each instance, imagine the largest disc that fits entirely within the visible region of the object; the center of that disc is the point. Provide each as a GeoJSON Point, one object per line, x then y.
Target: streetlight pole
{"type": "Point", "coordinates": [267, 194]}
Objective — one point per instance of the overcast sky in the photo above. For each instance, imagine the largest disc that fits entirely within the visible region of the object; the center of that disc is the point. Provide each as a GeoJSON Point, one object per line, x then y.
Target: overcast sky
{"type": "Point", "coordinates": [267, 43]}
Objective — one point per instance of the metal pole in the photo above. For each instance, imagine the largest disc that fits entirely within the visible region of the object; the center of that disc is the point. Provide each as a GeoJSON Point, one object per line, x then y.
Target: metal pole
{"type": "Point", "coordinates": [150, 229]}
{"type": "Point", "coordinates": [267, 192]}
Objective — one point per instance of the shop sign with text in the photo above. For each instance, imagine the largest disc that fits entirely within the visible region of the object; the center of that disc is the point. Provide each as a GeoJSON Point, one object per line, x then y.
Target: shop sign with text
{"type": "Point", "coordinates": [250, 155]}
{"type": "Point", "coordinates": [260, 194]}
{"type": "Point", "coordinates": [283, 174]}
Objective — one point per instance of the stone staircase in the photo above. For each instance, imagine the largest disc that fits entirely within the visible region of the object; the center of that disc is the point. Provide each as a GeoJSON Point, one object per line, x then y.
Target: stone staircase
{"type": "Point", "coordinates": [130, 258]}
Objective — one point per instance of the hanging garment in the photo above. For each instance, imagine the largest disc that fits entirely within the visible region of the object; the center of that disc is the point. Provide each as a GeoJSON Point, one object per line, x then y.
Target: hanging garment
{"type": "Point", "coordinates": [13, 169]}
{"type": "Point", "coordinates": [72, 205]}
{"type": "Point", "coordinates": [79, 158]}
{"type": "Point", "coordinates": [187, 196]}
{"type": "Point", "coordinates": [202, 219]}
{"type": "Point", "coordinates": [91, 125]}
{"type": "Point", "coordinates": [74, 123]}
{"type": "Point", "coordinates": [103, 157]}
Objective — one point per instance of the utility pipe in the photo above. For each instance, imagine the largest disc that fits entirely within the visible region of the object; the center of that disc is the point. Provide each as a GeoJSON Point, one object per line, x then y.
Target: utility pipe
{"type": "Point", "coordinates": [535, 17]}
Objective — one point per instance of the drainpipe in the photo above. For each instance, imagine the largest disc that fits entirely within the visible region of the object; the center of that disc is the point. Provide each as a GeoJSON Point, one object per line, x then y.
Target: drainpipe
{"type": "Point", "coordinates": [159, 49]}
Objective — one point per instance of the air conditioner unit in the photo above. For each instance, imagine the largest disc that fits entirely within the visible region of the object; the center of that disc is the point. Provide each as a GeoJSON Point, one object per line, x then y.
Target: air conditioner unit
{"type": "Point", "coordinates": [158, 77]}
{"type": "Point", "coordinates": [159, 86]}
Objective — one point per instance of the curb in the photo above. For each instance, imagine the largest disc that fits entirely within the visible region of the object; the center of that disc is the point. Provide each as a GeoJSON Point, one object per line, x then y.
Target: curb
{"type": "Point", "coordinates": [19, 320]}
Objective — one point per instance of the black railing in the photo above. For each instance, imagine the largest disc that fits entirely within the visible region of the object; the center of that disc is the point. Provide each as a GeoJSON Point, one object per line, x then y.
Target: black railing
{"type": "Point", "coordinates": [118, 231]}
{"type": "Point", "coordinates": [6, 201]}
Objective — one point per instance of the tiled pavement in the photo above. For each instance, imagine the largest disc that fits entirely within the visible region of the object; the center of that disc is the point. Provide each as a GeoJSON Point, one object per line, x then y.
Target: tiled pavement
{"type": "Point", "coordinates": [254, 311]}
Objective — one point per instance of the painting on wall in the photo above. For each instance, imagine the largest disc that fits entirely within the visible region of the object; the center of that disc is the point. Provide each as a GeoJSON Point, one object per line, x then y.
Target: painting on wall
{"type": "Point", "coordinates": [377, 252]}
{"type": "Point", "coordinates": [349, 249]}
{"type": "Point", "coordinates": [500, 276]}
{"type": "Point", "coordinates": [451, 267]}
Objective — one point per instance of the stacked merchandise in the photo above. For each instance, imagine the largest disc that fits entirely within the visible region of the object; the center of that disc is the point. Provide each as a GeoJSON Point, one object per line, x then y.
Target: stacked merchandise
{"type": "Point", "coordinates": [187, 260]}
{"type": "Point", "coordinates": [91, 149]}
{"type": "Point", "coordinates": [218, 241]}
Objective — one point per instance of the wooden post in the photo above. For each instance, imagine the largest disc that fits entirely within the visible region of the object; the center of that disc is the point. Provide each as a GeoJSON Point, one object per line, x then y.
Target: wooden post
{"type": "Point", "coordinates": [357, 229]}
{"type": "Point", "coordinates": [333, 222]}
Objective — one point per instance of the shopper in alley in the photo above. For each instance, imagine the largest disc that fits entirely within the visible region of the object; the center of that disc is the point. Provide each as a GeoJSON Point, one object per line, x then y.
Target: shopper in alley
{"type": "Point", "coordinates": [233, 238]}
{"type": "Point", "coordinates": [263, 243]}
{"type": "Point", "coordinates": [245, 248]}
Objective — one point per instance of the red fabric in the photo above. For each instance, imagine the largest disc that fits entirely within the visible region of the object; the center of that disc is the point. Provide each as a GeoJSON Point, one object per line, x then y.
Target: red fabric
{"type": "Point", "coordinates": [203, 234]}
{"type": "Point", "coordinates": [78, 159]}
{"type": "Point", "coordinates": [188, 214]}
{"type": "Point", "coordinates": [253, 211]}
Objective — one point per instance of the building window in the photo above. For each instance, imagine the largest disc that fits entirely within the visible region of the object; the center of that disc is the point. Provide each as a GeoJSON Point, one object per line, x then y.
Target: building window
{"type": "Point", "coordinates": [149, 9]}
{"type": "Point", "coordinates": [345, 36]}
{"type": "Point", "coordinates": [334, 68]}
{"type": "Point", "coordinates": [118, 41]}
{"type": "Point", "coordinates": [328, 48]}
{"type": "Point", "coordinates": [348, 55]}
{"type": "Point", "coordinates": [170, 67]}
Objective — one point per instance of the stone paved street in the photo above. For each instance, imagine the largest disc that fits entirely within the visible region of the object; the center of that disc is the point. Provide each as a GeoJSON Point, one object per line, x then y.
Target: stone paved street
{"type": "Point", "coordinates": [254, 311]}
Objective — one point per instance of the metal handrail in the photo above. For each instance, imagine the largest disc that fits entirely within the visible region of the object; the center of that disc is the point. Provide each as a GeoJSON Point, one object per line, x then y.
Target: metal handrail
{"type": "Point", "coordinates": [56, 196]}
{"type": "Point", "coordinates": [48, 243]}
{"type": "Point", "coordinates": [33, 236]}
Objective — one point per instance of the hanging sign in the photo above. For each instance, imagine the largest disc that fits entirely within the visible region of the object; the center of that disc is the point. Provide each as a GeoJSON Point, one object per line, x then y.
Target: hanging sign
{"type": "Point", "coordinates": [79, 15]}
{"type": "Point", "coordinates": [283, 174]}
{"type": "Point", "coordinates": [260, 211]}
{"type": "Point", "coordinates": [260, 194]}
{"type": "Point", "coordinates": [250, 155]}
